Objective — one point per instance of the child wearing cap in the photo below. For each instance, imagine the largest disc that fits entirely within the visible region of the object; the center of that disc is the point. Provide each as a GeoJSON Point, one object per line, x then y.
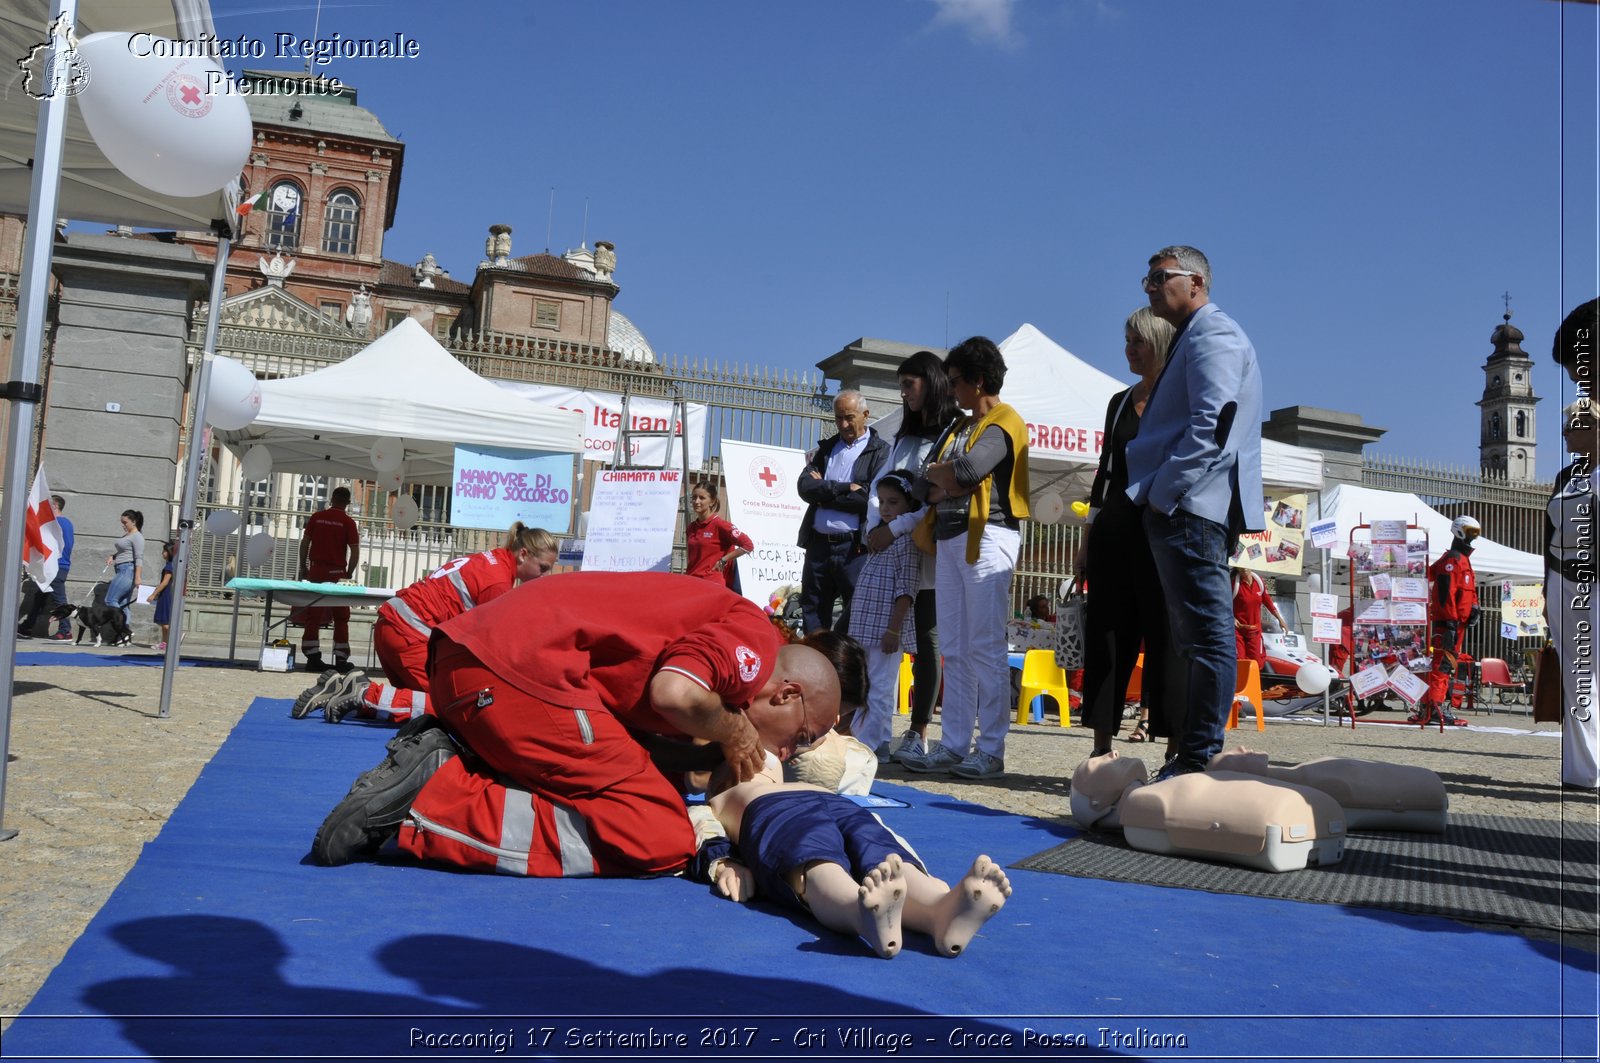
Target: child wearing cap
{"type": "Point", "coordinates": [880, 615]}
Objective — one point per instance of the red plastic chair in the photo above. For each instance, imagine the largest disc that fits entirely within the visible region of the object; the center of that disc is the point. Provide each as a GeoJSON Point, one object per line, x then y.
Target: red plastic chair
{"type": "Point", "coordinates": [1494, 673]}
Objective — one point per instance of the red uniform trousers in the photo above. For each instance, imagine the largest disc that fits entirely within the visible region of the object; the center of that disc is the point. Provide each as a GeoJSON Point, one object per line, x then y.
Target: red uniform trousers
{"type": "Point", "coordinates": [403, 652]}
{"type": "Point", "coordinates": [560, 792]}
{"type": "Point", "coordinates": [1450, 635]}
{"type": "Point", "coordinates": [314, 617]}
{"type": "Point", "coordinates": [1247, 645]}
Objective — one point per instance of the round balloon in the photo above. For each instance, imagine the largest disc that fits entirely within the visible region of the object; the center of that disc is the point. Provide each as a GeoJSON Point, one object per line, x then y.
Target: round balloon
{"type": "Point", "coordinates": [404, 512]}
{"type": "Point", "coordinates": [1048, 507]}
{"type": "Point", "coordinates": [222, 522]}
{"type": "Point", "coordinates": [1314, 583]}
{"type": "Point", "coordinates": [233, 398]}
{"type": "Point", "coordinates": [256, 463]}
{"type": "Point", "coordinates": [169, 123]}
{"type": "Point", "coordinates": [390, 481]}
{"type": "Point", "coordinates": [1313, 677]}
{"type": "Point", "coordinates": [388, 453]}
{"type": "Point", "coordinates": [258, 548]}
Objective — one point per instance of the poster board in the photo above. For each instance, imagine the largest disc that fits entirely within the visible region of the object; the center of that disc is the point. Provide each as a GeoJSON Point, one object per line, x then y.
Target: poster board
{"type": "Point", "coordinates": [602, 424]}
{"type": "Point", "coordinates": [1522, 610]}
{"type": "Point", "coordinates": [1280, 548]}
{"type": "Point", "coordinates": [1389, 611]}
{"type": "Point", "coordinates": [632, 516]}
{"type": "Point", "coordinates": [490, 487]}
{"type": "Point", "coordinates": [764, 503]}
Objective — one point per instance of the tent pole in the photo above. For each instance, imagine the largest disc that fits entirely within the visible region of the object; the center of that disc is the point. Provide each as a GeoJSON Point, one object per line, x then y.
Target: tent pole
{"type": "Point", "coordinates": [23, 390]}
{"type": "Point", "coordinates": [238, 564]}
{"type": "Point", "coordinates": [191, 474]}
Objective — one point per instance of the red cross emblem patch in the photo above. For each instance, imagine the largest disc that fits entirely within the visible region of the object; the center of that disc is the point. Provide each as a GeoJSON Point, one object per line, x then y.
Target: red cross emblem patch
{"type": "Point", "coordinates": [749, 662]}
{"type": "Point", "coordinates": [187, 96]}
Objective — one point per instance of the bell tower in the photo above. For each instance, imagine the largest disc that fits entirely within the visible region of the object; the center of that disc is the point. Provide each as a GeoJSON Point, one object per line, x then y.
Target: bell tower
{"type": "Point", "coordinates": [1507, 431]}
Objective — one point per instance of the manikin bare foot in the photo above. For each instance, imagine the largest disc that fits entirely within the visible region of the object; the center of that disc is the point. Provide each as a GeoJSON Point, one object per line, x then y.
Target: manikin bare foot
{"type": "Point", "coordinates": [883, 897]}
{"type": "Point", "coordinates": [961, 913]}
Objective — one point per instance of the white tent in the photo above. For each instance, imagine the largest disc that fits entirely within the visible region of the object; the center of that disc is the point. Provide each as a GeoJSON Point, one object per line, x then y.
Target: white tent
{"type": "Point", "coordinates": [403, 385]}
{"type": "Point", "coordinates": [1349, 506]}
{"type": "Point", "coordinates": [1063, 399]}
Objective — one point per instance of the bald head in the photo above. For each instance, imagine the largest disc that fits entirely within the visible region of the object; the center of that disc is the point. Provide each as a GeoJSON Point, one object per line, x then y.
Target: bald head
{"type": "Point", "coordinates": [799, 704]}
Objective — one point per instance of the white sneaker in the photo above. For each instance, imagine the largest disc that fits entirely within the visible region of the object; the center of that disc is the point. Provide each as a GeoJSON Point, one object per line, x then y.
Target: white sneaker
{"type": "Point", "coordinates": [936, 758]}
{"type": "Point", "coordinates": [979, 765]}
{"type": "Point", "coordinates": [911, 745]}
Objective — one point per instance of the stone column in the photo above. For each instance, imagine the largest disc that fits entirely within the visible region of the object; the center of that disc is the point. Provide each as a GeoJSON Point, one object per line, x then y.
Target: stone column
{"type": "Point", "coordinates": [118, 376]}
{"type": "Point", "coordinates": [868, 366]}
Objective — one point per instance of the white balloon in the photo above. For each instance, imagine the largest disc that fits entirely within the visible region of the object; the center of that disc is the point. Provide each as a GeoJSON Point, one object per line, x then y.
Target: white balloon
{"type": "Point", "coordinates": [258, 548]}
{"type": "Point", "coordinates": [390, 481]}
{"type": "Point", "coordinates": [1313, 677]}
{"type": "Point", "coordinates": [222, 522]}
{"type": "Point", "coordinates": [404, 513]}
{"type": "Point", "coordinates": [167, 123]}
{"type": "Point", "coordinates": [1048, 508]}
{"type": "Point", "coordinates": [233, 398]}
{"type": "Point", "coordinates": [1314, 583]}
{"type": "Point", "coordinates": [388, 453]}
{"type": "Point", "coordinates": [256, 463]}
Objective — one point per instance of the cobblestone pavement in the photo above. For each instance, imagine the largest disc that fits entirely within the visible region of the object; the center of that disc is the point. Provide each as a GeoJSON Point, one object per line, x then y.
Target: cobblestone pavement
{"type": "Point", "coordinates": [95, 772]}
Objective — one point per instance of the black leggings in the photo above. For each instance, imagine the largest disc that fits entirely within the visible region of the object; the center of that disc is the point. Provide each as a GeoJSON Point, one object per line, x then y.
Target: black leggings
{"type": "Point", "coordinates": [925, 667]}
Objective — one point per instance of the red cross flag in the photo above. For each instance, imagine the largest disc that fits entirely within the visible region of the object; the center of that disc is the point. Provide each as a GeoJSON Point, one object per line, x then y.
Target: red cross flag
{"type": "Point", "coordinates": [42, 542]}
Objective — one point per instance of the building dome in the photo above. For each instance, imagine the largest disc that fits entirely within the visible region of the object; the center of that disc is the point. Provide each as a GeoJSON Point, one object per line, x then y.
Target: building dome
{"type": "Point", "coordinates": [1507, 338]}
{"type": "Point", "coordinates": [625, 338]}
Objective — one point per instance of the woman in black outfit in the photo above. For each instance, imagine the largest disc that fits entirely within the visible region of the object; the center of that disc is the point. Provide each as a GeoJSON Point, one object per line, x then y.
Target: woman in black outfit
{"type": "Point", "coordinates": [1126, 606]}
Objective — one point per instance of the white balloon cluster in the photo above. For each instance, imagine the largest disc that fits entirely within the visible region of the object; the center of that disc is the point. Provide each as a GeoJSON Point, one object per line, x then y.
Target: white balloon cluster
{"type": "Point", "coordinates": [1048, 507]}
{"type": "Point", "coordinates": [405, 512]}
{"type": "Point", "coordinates": [256, 463]}
{"type": "Point", "coordinates": [233, 397]}
{"type": "Point", "coordinates": [258, 548]}
{"type": "Point", "coordinates": [165, 120]}
{"type": "Point", "coordinates": [222, 522]}
{"type": "Point", "coordinates": [388, 454]}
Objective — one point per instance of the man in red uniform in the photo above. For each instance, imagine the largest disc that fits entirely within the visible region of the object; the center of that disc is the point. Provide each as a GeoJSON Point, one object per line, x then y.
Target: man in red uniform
{"type": "Point", "coordinates": [1453, 608]}
{"type": "Point", "coordinates": [551, 693]}
{"type": "Point", "coordinates": [329, 550]}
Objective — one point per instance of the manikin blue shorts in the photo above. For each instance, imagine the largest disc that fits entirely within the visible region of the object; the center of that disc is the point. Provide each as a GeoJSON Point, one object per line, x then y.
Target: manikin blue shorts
{"type": "Point", "coordinates": [789, 829]}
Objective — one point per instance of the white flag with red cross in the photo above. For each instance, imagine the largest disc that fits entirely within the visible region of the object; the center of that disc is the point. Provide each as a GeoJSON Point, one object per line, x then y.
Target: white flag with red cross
{"type": "Point", "coordinates": [43, 541]}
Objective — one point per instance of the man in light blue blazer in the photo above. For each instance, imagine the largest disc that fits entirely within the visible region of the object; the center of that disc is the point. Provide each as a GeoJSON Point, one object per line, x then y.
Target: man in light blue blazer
{"type": "Point", "coordinates": [1196, 468]}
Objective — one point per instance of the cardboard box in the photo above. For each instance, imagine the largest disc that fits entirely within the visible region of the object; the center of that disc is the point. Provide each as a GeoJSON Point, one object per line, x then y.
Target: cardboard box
{"type": "Point", "coordinates": [277, 659]}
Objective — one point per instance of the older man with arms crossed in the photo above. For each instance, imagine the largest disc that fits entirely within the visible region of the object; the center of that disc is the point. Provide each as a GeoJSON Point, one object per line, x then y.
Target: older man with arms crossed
{"type": "Point", "coordinates": [835, 483]}
{"type": "Point", "coordinates": [547, 698]}
{"type": "Point", "coordinates": [1196, 468]}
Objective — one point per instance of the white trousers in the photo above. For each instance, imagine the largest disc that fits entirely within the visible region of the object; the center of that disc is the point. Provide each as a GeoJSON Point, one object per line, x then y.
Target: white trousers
{"type": "Point", "coordinates": [874, 724]}
{"type": "Point", "coordinates": [973, 603]}
{"type": "Point", "coordinates": [1573, 616]}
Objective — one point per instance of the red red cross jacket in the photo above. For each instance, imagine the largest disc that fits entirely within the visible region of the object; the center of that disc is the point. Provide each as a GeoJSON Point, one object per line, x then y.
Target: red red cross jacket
{"type": "Point", "coordinates": [1455, 589]}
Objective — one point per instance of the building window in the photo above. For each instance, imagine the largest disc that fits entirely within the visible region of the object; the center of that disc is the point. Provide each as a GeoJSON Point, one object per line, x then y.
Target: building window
{"type": "Point", "coordinates": [335, 311]}
{"type": "Point", "coordinates": [342, 223]}
{"type": "Point", "coordinates": [1494, 426]}
{"type": "Point", "coordinates": [546, 314]}
{"type": "Point", "coordinates": [283, 216]}
{"type": "Point", "coordinates": [1522, 424]}
{"type": "Point", "coordinates": [442, 324]}
{"type": "Point", "coordinates": [391, 318]}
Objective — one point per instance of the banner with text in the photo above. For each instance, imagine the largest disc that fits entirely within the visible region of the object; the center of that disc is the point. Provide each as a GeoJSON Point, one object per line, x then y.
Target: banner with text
{"type": "Point", "coordinates": [602, 423]}
{"type": "Point", "coordinates": [1521, 610]}
{"type": "Point", "coordinates": [632, 516]}
{"type": "Point", "coordinates": [1278, 548]}
{"type": "Point", "coordinates": [493, 486]}
{"type": "Point", "coordinates": [762, 502]}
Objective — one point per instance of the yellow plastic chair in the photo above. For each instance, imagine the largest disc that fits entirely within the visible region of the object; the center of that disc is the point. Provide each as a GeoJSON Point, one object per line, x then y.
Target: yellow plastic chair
{"type": "Point", "coordinates": [1041, 675]}
{"type": "Point", "coordinates": [1248, 686]}
{"type": "Point", "coordinates": [905, 684]}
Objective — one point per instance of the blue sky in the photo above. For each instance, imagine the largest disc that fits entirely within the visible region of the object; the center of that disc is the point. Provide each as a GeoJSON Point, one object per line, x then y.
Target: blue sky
{"type": "Point", "coordinates": [781, 178]}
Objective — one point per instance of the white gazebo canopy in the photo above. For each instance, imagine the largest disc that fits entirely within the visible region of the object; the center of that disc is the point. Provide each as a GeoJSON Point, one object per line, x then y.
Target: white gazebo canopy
{"type": "Point", "coordinates": [403, 385]}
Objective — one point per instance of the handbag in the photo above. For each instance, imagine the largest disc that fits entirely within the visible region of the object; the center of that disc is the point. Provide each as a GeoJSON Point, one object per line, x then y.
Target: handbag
{"type": "Point", "coordinates": [1547, 691]}
{"type": "Point", "coordinates": [1069, 632]}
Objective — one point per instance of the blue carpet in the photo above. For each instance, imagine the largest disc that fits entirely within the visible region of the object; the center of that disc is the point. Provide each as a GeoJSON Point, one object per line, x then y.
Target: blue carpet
{"type": "Point", "coordinates": [223, 942]}
{"type": "Point", "coordinates": [86, 659]}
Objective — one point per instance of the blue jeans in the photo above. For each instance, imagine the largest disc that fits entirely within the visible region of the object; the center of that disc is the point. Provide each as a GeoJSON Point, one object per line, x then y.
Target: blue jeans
{"type": "Point", "coordinates": [49, 601]}
{"type": "Point", "coordinates": [120, 590]}
{"type": "Point", "coordinates": [1191, 556]}
{"type": "Point", "coordinates": [828, 577]}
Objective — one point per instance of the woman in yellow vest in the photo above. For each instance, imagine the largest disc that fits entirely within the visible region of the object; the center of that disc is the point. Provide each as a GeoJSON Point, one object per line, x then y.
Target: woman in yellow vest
{"type": "Point", "coordinates": [977, 493]}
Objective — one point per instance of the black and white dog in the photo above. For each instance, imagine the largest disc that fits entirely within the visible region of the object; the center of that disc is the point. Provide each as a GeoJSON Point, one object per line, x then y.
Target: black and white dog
{"type": "Point", "coordinates": [105, 622]}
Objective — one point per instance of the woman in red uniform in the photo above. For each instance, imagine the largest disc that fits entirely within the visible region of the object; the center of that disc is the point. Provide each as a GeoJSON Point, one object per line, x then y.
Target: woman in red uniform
{"type": "Point", "coordinates": [1249, 595]}
{"type": "Point", "coordinates": [400, 637]}
{"type": "Point", "coordinates": [713, 543]}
